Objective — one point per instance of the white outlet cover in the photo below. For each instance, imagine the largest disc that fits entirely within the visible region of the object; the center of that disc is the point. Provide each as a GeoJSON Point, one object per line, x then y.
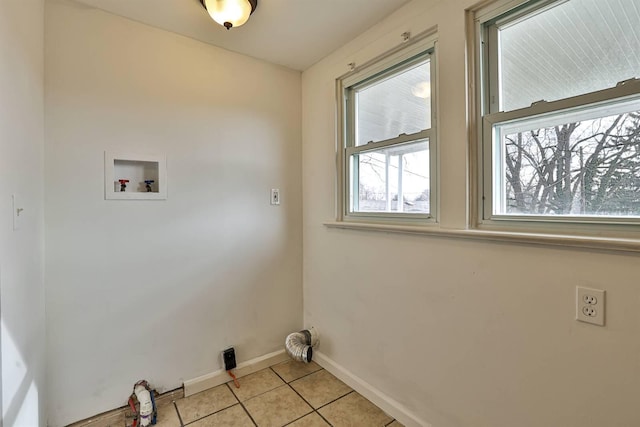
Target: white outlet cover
{"type": "Point", "coordinates": [590, 305]}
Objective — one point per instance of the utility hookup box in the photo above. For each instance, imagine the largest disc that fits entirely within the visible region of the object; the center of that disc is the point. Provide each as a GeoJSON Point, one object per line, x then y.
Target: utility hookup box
{"type": "Point", "coordinates": [229, 359]}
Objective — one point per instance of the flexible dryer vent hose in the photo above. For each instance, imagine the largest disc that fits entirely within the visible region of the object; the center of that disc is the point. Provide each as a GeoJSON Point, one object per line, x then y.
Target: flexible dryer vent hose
{"type": "Point", "coordinates": [300, 345]}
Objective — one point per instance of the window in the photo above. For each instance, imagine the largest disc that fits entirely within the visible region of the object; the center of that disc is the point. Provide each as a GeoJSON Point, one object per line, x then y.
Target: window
{"type": "Point", "coordinates": [388, 138]}
{"type": "Point", "coordinates": [561, 113]}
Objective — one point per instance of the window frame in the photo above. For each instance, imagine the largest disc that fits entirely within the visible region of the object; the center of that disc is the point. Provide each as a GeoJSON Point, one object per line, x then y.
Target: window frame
{"type": "Point", "coordinates": [485, 71]}
{"type": "Point", "coordinates": [411, 53]}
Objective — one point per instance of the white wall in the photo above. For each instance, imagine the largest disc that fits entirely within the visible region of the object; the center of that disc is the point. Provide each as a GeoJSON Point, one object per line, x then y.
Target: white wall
{"type": "Point", "coordinates": [463, 333]}
{"type": "Point", "coordinates": [21, 252]}
{"type": "Point", "coordinates": [156, 289]}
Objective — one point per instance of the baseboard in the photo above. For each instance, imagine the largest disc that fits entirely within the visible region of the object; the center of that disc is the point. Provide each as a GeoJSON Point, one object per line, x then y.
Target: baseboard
{"type": "Point", "coordinates": [221, 376]}
{"type": "Point", "coordinates": [119, 416]}
{"type": "Point", "coordinates": [381, 400]}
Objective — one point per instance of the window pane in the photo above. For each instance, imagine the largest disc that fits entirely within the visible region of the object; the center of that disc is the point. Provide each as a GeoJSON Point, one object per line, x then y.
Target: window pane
{"type": "Point", "coordinates": [398, 104]}
{"type": "Point", "coordinates": [584, 163]}
{"type": "Point", "coordinates": [575, 47]}
{"type": "Point", "coordinates": [389, 175]}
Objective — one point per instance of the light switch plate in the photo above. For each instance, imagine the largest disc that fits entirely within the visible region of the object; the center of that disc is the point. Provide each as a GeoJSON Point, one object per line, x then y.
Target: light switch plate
{"type": "Point", "coordinates": [275, 196]}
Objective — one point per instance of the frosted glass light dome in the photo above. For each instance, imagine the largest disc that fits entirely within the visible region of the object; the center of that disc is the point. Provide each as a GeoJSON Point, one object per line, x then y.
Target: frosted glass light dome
{"type": "Point", "coordinates": [230, 13]}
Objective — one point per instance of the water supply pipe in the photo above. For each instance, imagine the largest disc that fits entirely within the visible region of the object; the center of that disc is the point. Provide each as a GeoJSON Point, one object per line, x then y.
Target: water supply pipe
{"type": "Point", "coordinates": [300, 345]}
{"type": "Point", "coordinates": [146, 413]}
{"type": "Point", "coordinates": [146, 407]}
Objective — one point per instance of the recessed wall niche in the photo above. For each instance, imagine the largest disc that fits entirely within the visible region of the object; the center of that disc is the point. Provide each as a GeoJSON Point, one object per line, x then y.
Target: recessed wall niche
{"type": "Point", "coordinates": [129, 176]}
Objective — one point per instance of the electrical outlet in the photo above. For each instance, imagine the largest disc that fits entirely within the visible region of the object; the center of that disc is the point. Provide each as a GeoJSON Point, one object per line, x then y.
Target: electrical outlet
{"type": "Point", "coordinates": [275, 196]}
{"type": "Point", "coordinates": [590, 305]}
{"type": "Point", "coordinates": [229, 359]}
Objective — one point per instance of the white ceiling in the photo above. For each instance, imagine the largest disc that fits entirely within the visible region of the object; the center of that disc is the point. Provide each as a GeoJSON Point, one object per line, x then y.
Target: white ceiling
{"type": "Point", "coordinates": [293, 33]}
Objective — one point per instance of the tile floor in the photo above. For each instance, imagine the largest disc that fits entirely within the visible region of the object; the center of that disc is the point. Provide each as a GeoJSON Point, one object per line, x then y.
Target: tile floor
{"type": "Point", "coordinates": [287, 394]}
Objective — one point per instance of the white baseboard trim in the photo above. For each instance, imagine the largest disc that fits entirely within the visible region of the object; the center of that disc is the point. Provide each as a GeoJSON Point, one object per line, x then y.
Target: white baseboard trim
{"type": "Point", "coordinates": [216, 378]}
{"type": "Point", "coordinates": [381, 400]}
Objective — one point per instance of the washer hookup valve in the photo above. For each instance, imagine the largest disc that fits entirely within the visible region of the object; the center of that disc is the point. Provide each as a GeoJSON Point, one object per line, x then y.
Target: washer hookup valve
{"type": "Point", "coordinates": [148, 182]}
{"type": "Point", "coordinates": [146, 412]}
{"type": "Point", "coordinates": [123, 184]}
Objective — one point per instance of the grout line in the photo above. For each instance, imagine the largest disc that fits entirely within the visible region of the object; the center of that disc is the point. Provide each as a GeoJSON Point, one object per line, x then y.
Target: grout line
{"type": "Point", "coordinates": [246, 411]}
{"type": "Point", "coordinates": [308, 403]}
{"type": "Point", "coordinates": [243, 408]}
{"type": "Point", "coordinates": [264, 392]}
{"type": "Point", "coordinates": [335, 400]}
{"type": "Point", "coordinates": [306, 415]}
{"type": "Point", "coordinates": [231, 388]}
{"type": "Point", "coordinates": [325, 420]}
{"type": "Point", "coordinates": [278, 375]}
{"type": "Point", "coordinates": [303, 399]}
{"type": "Point", "coordinates": [178, 412]}
{"type": "Point", "coordinates": [249, 415]}
{"type": "Point", "coordinates": [391, 422]}
{"type": "Point", "coordinates": [299, 418]}
{"type": "Point", "coordinates": [308, 375]}
{"type": "Point", "coordinates": [328, 403]}
{"type": "Point", "coordinates": [259, 394]}
{"type": "Point", "coordinates": [208, 415]}
{"type": "Point", "coordinates": [305, 375]}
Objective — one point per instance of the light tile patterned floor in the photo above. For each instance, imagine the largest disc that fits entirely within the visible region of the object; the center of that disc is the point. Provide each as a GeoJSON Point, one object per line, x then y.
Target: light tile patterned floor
{"type": "Point", "coordinates": [287, 394]}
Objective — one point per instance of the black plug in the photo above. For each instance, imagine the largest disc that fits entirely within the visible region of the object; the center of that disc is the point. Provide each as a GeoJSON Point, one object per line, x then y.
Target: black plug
{"type": "Point", "coordinates": [229, 358]}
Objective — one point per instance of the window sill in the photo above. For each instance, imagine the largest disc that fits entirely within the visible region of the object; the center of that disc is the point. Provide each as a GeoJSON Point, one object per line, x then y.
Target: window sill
{"type": "Point", "coordinates": [572, 241]}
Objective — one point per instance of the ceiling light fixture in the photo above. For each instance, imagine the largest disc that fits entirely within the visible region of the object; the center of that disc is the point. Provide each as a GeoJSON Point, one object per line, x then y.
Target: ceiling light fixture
{"type": "Point", "coordinates": [230, 13]}
{"type": "Point", "coordinates": [422, 90]}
